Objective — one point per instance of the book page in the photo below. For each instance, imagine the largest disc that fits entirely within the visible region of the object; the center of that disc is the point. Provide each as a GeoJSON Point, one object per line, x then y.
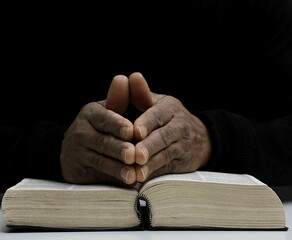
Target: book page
{"type": "Point", "coordinates": [30, 183]}
{"type": "Point", "coordinates": [53, 204]}
{"type": "Point", "coordinates": [228, 178]}
{"type": "Point", "coordinates": [205, 176]}
{"type": "Point", "coordinates": [212, 199]}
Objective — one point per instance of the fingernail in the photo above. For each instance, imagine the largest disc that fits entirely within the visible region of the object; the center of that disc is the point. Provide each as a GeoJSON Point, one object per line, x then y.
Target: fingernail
{"type": "Point", "coordinates": [128, 155]}
{"type": "Point", "coordinates": [125, 174]}
{"type": "Point", "coordinates": [144, 152]}
{"type": "Point", "coordinates": [142, 131]}
{"type": "Point", "coordinates": [124, 132]}
{"type": "Point", "coordinates": [125, 154]}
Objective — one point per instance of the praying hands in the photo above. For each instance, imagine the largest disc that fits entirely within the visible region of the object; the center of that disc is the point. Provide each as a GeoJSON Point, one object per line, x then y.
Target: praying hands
{"type": "Point", "coordinates": [98, 146]}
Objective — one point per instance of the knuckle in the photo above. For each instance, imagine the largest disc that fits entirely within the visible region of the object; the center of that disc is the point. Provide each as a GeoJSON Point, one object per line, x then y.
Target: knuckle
{"type": "Point", "coordinates": [102, 142]}
{"type": "Point", "coordinates": [166, 135]}
{"type": "Point", "coordinates": [76, 169]}
{"type": "Point", "coordinates": [104, 120]}
{"type": "Point", "coordinates": [88, 109]}
{"type": "Point", "coordinates": [168, 155]}
{"type": "Point", "coordinates": [175, 166]}
{"type": "Point", "coordinates": [187, 148]}
{"type": "Point", "coordinates": [198, 139]}
{"type": "Point", "coordinates": [167, 168]}
{"type": "Point", "coordinates": [173, 100]}
{"type": "Point", "coordinates": [176, 150]}
{"type": "Point", "coordinates": [99, 162]}
{"type": "Point", "coordinates": [106, 168]}
{"type": "Point", "coordinates": [79, 134]}
{"type": "Point", "coordinates": [183, 129]}
{"type": "Point", "coordinates": [158, 117]}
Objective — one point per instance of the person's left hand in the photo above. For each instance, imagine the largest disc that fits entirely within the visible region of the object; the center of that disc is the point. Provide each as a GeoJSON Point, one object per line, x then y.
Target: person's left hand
{"type": "Point", "coordinates": [170, 138]}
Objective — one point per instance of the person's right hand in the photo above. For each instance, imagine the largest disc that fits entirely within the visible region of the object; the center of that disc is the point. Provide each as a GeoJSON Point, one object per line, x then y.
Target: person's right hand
{"type": "Point", "coordinates": [96, 147]}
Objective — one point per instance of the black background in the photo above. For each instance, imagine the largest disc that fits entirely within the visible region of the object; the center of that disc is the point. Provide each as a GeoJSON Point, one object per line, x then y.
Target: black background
{"type": "Point", "coordinates": [209, 54]}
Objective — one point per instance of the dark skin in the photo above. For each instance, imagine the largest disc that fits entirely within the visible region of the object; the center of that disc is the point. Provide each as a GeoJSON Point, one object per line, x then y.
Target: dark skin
{"type": "Point", "coordinates": [98, 148]}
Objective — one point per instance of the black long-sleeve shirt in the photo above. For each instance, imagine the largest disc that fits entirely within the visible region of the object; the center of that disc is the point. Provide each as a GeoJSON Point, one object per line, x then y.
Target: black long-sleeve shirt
{"type": "Point", "coordinates": [228, 61]}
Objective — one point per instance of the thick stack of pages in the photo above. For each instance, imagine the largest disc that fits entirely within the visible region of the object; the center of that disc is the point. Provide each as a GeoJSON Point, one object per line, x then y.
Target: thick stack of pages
{"type": "Point", "coordinates": [195, 200]}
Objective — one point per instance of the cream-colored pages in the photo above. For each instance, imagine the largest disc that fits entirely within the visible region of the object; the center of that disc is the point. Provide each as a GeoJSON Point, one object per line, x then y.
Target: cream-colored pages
{"type": "Point", "coordinates": [190, 200]}
{"type": "Point", "coordinates": [42, 203]}
{"type": "Point", "coordinates": [213, 199]}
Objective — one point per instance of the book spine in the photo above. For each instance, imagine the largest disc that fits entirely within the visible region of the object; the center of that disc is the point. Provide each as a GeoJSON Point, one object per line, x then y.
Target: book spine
{"type": "Point", "coordinates": [138, 208]}
{"type": "Point", "coordinates": [145, 213]}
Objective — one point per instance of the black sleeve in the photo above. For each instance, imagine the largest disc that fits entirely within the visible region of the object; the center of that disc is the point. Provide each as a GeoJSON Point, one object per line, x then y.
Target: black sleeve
{"type": "Point", "coordinates": [260, 148]}
{"type": "Point", "coordinates": [33, 152]}
{"type": "Point", "coordinates": [260, 145]}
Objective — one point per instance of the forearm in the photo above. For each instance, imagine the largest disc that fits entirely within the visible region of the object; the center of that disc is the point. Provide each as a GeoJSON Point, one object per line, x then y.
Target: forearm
{"type": "Point", "coordinates": [30, 153]}
{"type": "Point", "coordinates": [240, 145]}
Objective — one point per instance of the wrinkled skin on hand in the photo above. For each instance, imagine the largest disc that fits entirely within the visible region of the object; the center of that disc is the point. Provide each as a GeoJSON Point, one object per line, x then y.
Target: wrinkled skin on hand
{"type": "Point", "coordinates": [171, 139]}
{"type": "Point", "coordinates": [97, 146]}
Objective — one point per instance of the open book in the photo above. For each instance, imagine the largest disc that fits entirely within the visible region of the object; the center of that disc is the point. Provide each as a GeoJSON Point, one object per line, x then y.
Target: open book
{"type": "Point", "coordinates": [195, 200]}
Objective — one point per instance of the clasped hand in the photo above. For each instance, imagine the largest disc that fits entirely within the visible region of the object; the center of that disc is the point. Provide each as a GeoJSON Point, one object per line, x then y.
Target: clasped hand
{"type": "Point", "coordinates": [98, 148]}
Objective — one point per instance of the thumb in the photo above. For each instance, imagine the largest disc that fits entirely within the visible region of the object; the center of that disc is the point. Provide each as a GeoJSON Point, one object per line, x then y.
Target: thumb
{"type": "Point", "coordinates": [140, 94]}
{"type": "Point", "coordinates": [118, 95]}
